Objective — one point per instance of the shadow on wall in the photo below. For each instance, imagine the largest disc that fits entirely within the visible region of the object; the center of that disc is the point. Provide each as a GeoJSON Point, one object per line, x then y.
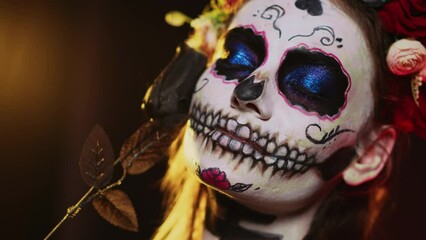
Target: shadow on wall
{"type": "Point", "coordinates": [65, 66]}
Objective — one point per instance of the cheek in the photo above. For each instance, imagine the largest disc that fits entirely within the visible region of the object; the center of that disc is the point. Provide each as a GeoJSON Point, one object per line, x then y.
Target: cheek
{"type": "Point", "coordinates": [213, 90]}
{"type": "Point", "coordinates": [283, 195]}
{"type": "Point", "coordinates": [316, 137]}
{"type": "Point", "coordinates": [360, 102]}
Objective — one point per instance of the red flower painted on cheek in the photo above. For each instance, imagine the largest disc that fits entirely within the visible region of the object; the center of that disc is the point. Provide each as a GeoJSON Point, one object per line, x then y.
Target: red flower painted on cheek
{"type": "Point", "coordinates": [216, 178]}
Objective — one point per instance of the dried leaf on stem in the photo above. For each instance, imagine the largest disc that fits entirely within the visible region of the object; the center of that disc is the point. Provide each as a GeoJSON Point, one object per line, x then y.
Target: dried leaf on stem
{"type": "Point", "coordinates": [147, 146]}
{"type": "Point", "coordinates": [97, 159]}
{"type": "Point", "coordinates": [115, 207]}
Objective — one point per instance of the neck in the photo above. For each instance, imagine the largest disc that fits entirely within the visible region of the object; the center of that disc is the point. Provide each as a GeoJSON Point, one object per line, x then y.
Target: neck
{"type": "Point", "coordinates": [230, 220]}
{"type": "Point", "coordinates": [290, 227]}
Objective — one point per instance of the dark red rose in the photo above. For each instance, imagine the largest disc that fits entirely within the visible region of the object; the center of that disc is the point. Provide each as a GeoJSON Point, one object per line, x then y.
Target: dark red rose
{"type": "Point", "coordinates": [405, 18]}
{"type": "Point", "coordinates": [216, 178]}
{"type": "Point", "coordinates": [412, 118]}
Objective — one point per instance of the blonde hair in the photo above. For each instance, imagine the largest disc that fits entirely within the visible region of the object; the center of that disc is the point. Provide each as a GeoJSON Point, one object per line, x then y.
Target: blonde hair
{"type": "Point", "coordinates": [185, 199]}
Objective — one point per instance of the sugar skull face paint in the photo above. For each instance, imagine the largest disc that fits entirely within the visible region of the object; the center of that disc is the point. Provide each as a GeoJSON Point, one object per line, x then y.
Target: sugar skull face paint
{"type": "Point", "coordinates": [278, 101]}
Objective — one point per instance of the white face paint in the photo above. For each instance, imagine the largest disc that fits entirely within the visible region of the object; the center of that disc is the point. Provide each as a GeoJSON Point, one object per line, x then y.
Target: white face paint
{"type": "Point", "coordinates": [285, 92]}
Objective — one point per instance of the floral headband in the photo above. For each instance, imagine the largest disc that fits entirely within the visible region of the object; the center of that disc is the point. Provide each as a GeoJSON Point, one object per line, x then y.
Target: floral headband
{"type": "Point", "coordinates": [405, 19]}
{"type": "Point", "coordinates": [209, 25]}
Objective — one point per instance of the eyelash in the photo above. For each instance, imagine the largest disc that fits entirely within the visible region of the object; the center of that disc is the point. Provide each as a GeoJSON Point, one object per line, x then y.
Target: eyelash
{"type": "Point", "coordinates": [305, 98]}
{"type": "Point", "coordinates": [305, 77]}
{"type": "Point", "coordinates": [306, 92]}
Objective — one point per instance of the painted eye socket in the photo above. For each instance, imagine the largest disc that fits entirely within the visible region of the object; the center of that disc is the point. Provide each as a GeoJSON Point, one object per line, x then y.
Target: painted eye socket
{"type": "Point", "coordinates": [313, 81]}
{"type": "Point", "coordinates": [245, 53]}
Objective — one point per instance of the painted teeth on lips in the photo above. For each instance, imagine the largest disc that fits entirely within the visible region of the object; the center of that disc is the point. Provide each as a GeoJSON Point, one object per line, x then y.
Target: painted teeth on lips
{"type": "Point", "coordinates": [260, 148]}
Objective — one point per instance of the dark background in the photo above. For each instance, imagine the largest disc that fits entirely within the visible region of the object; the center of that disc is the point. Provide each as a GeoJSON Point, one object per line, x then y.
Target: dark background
{"type": "Point", "coordinates": [67, 65]}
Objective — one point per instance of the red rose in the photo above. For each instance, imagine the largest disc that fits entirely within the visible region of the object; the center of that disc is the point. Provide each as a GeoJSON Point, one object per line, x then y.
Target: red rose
{"type": "Point", "coordinates": [405, 18]}
{"type": "Point", "coordinates": [216, 178]}
{"type": "Point", "coordinates": [412, 118]}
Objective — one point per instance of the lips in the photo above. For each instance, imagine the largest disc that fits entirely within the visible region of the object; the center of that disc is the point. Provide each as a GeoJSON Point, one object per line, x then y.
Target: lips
{"type": "Point", "coordinates": [244, 142]}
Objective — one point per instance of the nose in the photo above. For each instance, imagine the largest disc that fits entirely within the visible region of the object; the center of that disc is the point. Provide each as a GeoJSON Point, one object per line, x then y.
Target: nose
{"type": "Point", "coordinates": [249, 96]}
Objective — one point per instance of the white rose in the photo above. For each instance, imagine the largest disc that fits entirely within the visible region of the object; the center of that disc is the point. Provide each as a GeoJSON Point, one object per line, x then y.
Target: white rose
{"type": "Point", "coordinates": [406, 56]}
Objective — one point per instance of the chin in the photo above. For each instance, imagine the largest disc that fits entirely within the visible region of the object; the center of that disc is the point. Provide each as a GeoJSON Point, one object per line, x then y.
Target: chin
{"type": "Point", "coordinates": [248, 180]}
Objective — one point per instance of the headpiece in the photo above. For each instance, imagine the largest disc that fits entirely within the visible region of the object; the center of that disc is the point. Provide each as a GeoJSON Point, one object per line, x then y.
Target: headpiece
{"type": "Point", "coordinates": [406, 20]}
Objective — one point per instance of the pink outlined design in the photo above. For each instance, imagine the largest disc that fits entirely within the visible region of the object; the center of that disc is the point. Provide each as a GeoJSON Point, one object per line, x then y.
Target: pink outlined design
{"type": "Point", "coordinates": [299, 108]}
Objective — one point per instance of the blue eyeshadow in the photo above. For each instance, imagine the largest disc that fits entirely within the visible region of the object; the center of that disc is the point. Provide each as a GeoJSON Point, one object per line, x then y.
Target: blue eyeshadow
{"type": "Point", "coordinates": [240, 54]}
{"type": "Point", "coordinates": [246, 52]}
{"type": "Point", "coordinates": [314, 78]}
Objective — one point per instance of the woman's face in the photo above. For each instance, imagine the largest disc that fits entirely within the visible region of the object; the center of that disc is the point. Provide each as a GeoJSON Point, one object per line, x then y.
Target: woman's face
{"type": "Point", "coordinates": [288, 89]}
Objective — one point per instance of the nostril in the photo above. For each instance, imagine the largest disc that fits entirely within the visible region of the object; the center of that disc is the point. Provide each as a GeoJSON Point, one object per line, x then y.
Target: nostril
{"type": "Point", "coordinates": [253, 107]}
{"type": "Point", "coordinates": [234, 102]}
{"type": "Point", "coordinates": [249, 107]}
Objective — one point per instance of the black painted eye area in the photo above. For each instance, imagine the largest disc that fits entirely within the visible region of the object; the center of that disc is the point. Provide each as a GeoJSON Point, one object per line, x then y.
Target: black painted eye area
{"type": "Point", "coordinates": [313, 81]}
{"type": "Point", "coordinates": [245, 50]}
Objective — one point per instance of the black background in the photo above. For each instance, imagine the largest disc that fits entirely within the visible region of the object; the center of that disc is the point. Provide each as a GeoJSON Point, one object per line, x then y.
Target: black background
{"type": "Point", "coordinates": [67, 65]}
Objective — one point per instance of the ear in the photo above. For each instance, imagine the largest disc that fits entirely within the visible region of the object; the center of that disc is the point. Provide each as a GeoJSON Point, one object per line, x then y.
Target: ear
{"type": "Point", "coordinates": [376, 155]}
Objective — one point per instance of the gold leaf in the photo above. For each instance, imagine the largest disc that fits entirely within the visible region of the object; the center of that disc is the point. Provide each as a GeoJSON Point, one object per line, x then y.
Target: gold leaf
{"type": "Point", "coordinates": [156, 152]}
{"type": "Point", "coordinates": [97, 159]}
{"type": "Point", "coordinates": [147, 146]}
{"type": "Point", "coordinates": [136, 146]}
{"type": "Point", "coordinates": [115, 207]}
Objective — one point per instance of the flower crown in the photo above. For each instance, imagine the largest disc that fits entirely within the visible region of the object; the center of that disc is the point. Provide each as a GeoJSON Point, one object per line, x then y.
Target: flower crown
{"type": "Point", "coordinates": [209, 25]}
{"type": "Point", "coordinates": [405, 19]}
